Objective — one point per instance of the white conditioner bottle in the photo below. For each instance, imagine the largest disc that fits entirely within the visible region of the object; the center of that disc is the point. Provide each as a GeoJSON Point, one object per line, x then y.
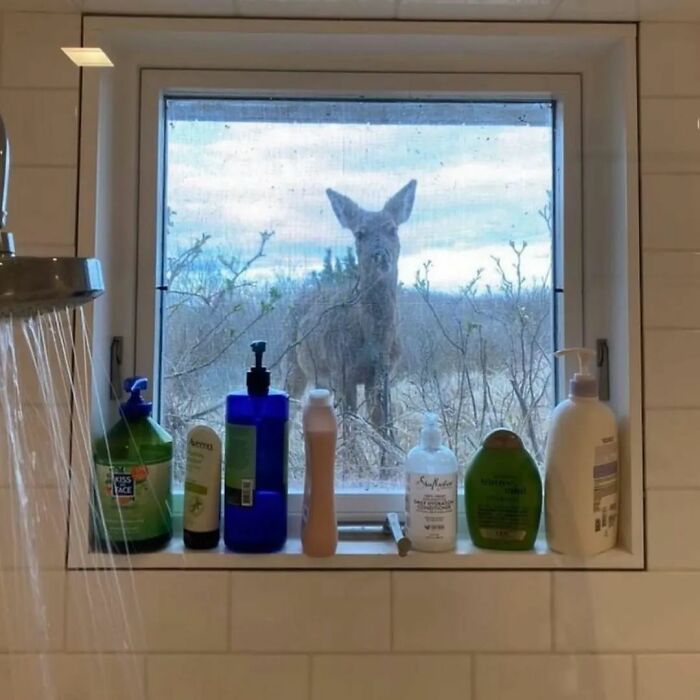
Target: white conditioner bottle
{"type": "Point", "coordinates": [582, 468]}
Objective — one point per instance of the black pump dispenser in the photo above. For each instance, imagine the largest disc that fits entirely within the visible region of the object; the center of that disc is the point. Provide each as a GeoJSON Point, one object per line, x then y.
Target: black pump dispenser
{"type": "Point", "coordinates": [258, 377]}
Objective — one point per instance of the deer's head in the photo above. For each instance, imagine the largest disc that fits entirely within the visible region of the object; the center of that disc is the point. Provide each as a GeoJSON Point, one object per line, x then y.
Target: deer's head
{"type": "Point", "coordinates": [376, 232]}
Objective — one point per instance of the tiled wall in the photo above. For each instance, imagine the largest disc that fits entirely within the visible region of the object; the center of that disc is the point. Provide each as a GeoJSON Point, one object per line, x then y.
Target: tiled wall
{"type": "Point", "coordinates": [478, 636]}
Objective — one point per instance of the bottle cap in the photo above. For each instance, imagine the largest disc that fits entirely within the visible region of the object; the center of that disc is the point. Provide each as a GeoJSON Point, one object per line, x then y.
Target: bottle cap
{"type": "Point", "coordinates": [502, 439]}
{"type": "Point", "coordinates": [430, 434]}
{"type": "Point", "coordinates": [258, 377]}
{"type": "Point", "coordinates": [584, 383]}
{"type": "Point", "coordinates": [135, 407]}
{"type": "Point", "coordinates": [320, 397]}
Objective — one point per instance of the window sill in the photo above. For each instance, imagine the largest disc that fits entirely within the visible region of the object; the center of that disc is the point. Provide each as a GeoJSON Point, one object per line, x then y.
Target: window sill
{"type": "Point", "coordinates": [362, 554]}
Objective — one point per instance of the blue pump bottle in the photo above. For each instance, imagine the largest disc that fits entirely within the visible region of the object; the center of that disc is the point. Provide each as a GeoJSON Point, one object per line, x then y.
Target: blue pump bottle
{"type": "Point", "coordinates": [257, 424]}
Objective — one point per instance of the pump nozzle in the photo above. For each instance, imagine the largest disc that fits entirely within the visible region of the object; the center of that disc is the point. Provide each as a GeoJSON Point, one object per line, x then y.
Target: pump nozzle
{"type": "Point", "coordinates": [584, 382]}
{"type": "Point", "coordinates": [430, 435]}
{"type": "Point", "coordinates": [135, 407]}
{"type": "Point", "coordinates": [258, 378]}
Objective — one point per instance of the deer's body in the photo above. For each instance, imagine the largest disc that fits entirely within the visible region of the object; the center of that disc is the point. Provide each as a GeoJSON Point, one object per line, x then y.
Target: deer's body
{"type": "Point", "coordinates": [348, 336]}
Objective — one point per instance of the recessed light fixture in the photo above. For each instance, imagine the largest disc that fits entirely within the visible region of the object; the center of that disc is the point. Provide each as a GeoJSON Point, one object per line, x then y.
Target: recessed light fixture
{"type": "Point", "coordinates": [88, 57]}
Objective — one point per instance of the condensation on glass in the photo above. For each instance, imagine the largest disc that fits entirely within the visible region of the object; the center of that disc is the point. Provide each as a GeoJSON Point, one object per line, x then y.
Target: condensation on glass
{"type": "Point", "coordinates": [398, 253]}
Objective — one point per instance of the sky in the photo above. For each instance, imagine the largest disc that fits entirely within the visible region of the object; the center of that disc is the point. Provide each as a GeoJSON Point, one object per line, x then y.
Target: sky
{"type": "Point", "coordinates": [480, 185]}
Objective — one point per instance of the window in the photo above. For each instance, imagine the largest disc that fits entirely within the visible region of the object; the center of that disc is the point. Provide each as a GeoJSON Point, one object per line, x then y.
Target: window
{"type": "Point", "coordinates": [399, 251]}
{"type": "Point", "coordinates": [277, 171]}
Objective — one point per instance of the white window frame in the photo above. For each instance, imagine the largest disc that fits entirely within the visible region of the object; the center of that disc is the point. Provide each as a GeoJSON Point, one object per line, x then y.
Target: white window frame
{"type": "Point", "coordinates": [157, 85]}
{"type": "Point", "coordinates": [119, 182]}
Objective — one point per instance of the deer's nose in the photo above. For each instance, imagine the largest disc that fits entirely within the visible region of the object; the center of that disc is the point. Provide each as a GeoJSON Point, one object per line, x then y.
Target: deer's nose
{"type": "Point", "coordinates": [382, 260]}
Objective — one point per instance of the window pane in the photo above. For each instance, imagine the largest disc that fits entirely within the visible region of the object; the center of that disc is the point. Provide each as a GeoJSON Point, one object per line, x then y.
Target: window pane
{"type": "Point", "coordinates": [399, 253]}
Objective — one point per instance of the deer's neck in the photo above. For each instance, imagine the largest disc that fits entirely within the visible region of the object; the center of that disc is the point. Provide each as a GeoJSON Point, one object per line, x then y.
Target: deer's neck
{"type": "Point", "coordinates": [378, 292]}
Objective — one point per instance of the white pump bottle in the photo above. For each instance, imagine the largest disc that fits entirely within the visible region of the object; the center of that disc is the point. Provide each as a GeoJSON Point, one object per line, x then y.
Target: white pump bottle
{"type": "Point", "coordinates": [582, 468]}
{"type": "Point", "coordinates": [431, 492]}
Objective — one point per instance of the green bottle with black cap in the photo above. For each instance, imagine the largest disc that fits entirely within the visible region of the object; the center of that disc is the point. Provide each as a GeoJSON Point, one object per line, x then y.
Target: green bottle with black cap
{"type": "Point", "coordinates": [131, 504]}
{"type": "Point", "coordinates": [503, 494]}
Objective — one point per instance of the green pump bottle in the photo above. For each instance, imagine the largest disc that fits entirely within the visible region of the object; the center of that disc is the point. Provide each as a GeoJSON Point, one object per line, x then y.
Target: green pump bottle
{"type": "Point", "coordinates": [131, 504]}
{"type": "Point", "coordinates": [503, 494]}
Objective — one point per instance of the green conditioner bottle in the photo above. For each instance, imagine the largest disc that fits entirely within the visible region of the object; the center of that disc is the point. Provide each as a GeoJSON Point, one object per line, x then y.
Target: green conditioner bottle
{"type": "Point", "coordinates": [503, 494]}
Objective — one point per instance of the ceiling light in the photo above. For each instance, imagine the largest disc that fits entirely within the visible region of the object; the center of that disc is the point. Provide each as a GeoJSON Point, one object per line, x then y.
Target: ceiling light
{"type": "Point", "coordinates": [88, 57]}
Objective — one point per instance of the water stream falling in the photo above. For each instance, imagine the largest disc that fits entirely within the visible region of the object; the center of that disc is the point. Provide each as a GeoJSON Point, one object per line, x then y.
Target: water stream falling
{"type": "Point", "coordinates": [47, 426]}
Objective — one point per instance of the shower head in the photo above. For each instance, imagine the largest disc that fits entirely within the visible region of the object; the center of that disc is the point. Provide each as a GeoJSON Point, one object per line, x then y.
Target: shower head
{"type": "Point", "coordinates": [29, 285]}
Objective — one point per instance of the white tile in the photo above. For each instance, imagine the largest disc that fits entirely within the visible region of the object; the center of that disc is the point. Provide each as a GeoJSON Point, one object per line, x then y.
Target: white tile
{"type": "Point", "coordinates": [562, 677]}
{"type": "Point", "coordinates": [670, 677]}
{"type": "Point", "coordinates": [73, 677]}
{"type": "Point", "coordinates": [671, 212]}
{"type": "Point", "coordinates": [33, 528]}
{"type": "Point", "coordinates": [147, 610]}
{"type": "Point", "coordinates": [161, 7]}
{"type": "Point", "coordinates": [363, 9]}
{"type": "Point", "coordinates": [476, 9]}
{"type": "Point", "coordinates": [42, 125]}
{"type": "Point", "coordinates": [441, 611]}
{"type": "Point", "coordinates": [379, 677]}
{"type": "Point", "coordinates": [669, 60]}
{"type": "Point", "coordinates": [671, 454]}
{"type": "Point", "coordinates": [259, 677]}
{"type": "Point", "coordinates": [671, 515]}
{"type": "Point", "coordinates": [31, 50]}
{"type": "Point", "coordinates": [597, 10]}
{"type": "Point", "coordinates": [42, 361]}
{"type": "Point", "coordinates": [669, 10]}
{"type": "Point", "coordinates": [33, 457]}
{"type": "Point", "coordinates": [31, 614]}
{"type": "Point", "coordinates": [42, 206]}
{"type": "Point", "coordinates": [671, 372]}
{"type": "Point", "coordinates": [625, 612]}
{"type": "Point", "coordinates": [310, 611]}
{"type": "Point", "coordinates": [670, 130]}
{"type": "Point", "coordinates": [671, 282]}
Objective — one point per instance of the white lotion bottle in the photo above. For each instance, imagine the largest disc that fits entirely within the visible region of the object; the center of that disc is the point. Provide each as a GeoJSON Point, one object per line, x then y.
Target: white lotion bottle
{"type": "Point", "coordinates": [319, 526]}
{"type": "Point", "coordinates": [202, 510]}
{"type": "Point", "coordinates": [431, 492]}
{"type": "Point", "coordinates": [582, 468]}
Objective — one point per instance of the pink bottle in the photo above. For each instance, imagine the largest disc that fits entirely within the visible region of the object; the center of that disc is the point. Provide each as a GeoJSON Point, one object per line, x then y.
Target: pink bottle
{"type": "Point", "coordinates": [319, 527]}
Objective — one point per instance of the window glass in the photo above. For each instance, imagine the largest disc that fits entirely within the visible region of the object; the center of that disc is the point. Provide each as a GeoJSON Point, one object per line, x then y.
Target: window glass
{"type": "Point", "coordinates": [399, 253]}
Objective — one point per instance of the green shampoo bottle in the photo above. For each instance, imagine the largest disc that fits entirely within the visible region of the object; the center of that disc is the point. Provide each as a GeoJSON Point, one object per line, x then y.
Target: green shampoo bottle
{"type": "Point", "coordinates": [131, 505]}
{"type": "Point", "coordinates": [503, 494]}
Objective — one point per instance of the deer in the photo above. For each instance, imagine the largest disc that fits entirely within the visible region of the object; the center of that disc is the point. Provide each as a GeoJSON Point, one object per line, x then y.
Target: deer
{"type": "Point", "coordinates": [350, 339]}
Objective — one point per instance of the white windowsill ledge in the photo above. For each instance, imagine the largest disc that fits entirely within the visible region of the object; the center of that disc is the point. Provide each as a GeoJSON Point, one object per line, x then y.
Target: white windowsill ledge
{"type": "Point", "coordinates": [362, 554]}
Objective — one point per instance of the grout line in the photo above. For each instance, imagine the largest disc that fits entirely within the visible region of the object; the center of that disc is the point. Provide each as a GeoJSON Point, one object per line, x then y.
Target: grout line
{"type": "Point", "coordinates": [472, 678]}
{"type": "Point", "coordinates": [635, 690]}
{"type": "Point", "coordinates": [144, 685]}
{"type": "Point", "coordinates": [310, 676]}
{"type": "Point", "coordinates": [392, 614]}
{"type": "Point", "coordinates": [551, 612]}
{"type": "Point", "coordinates": [229, 612]}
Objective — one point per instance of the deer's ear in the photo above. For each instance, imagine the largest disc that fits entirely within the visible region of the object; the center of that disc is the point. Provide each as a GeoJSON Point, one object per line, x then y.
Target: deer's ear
{"type": "Point", "coordinates": [399, 207]}
{"type": "Point", "coordinates": [345, 209]}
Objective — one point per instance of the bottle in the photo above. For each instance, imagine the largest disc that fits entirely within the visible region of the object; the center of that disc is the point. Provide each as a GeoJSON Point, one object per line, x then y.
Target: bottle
{"type": "Point", "coordinates": [257, 425]}
{"type": "Point", "coordinates": [431, 492]}
{"type": "Point", "coordinates": [202, 511]}
{"type": "Point", "coordinates": [133, 473]}
{"type": "Point", "coordinates": [503, 494]}
{"type": "Point", "coordinates": [319, 527]}
{"type": "Point", "coordinates": [581, 468]}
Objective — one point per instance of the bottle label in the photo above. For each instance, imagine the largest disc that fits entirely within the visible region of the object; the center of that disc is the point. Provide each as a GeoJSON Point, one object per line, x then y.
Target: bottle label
{"type": "Point", "coordinates": [503, 516]}
{"type": "Point", "coordinates": [133, 501]}
{"type": "Point", "coordinates": [431, 507]}
{"type": "Point", "coordinates": [605, 489]}
{"type": "Point", "coordinates": [240, 465]}
{"type": "Point", "coordinates": [202, 510]}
